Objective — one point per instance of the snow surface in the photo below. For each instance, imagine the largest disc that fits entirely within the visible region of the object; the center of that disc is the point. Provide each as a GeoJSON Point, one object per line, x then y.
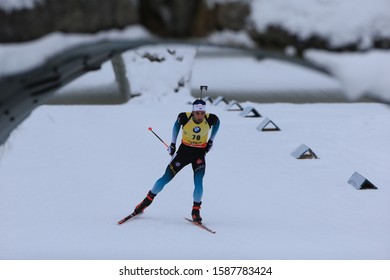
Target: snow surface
{"type": "Point", "coordinates": [359, 73]}
{"type": "Point", "coordinates": [341, 21]}
{"type": "Point", "coordinates": [16, 57]}
{"type": "Point", "coordinates": [14, 5]}
{"type": "Point", "coordinates": [370, 20]}
{"type": "Point", "coordinates": [69, 173]}
{"type": "Point", "coordinates": [354, 75]}
{"type": "Point", "coordinates": [267, 80]}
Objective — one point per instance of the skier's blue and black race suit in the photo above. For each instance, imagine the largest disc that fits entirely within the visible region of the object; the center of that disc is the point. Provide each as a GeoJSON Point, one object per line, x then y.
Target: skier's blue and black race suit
{"type": "Point", "coordinates": [192, 150]}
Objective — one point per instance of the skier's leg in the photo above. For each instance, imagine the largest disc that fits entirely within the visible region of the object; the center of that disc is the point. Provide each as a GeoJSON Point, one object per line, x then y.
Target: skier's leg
{"type": "Point", "coordinates": [195, 213]}
{"type": "Point", "coordinates": [158, 186]}
{"type": "Point", "coordinates": [145, 203]}
{"type": "Point", "coordinates": [165, 179]}
{"type": "Point", "coordinates": [198, 183]}
{"type": "Point", "coordinates": [177, 162]}
{"type": "Point", "coordinates": [199, 167]}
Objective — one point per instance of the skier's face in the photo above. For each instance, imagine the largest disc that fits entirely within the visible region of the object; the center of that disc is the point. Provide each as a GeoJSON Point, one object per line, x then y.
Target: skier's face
{"type": "Point", "coordinates": [199, 116]}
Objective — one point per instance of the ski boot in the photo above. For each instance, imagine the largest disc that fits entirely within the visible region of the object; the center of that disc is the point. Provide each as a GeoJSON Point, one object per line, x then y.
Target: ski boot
{"type": "Point", "coordinates": [196, 212]}
{"type": "Point", "coordinates": [145, 203]}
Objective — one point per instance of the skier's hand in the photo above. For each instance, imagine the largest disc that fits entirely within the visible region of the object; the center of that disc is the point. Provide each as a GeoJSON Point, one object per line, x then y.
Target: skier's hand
{"type": "Point", "coordinates": [172, 149]}
{"type": "Point", "coordinates": [209, 146]}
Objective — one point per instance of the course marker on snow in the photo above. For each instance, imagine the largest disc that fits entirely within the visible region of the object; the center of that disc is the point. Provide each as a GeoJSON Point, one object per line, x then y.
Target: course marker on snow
{"type": "Point", "coordinates": [220, 99]}
{"type": "Point", "coordinates": [234, 106]}
{"type": "Point", "coordinates": [267, 125]}
{"type": "Point", "coordinates": [208, 99]}
{"type": "Point", "coordinates": [304, 152]}
{"type": "Point", "coordinates": [250, 112]}
{"type": "Point", "coordinates": [361, 183]}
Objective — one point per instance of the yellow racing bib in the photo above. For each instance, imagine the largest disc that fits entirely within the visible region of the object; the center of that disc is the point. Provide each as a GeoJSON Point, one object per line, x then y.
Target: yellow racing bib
{"type": "Point", "coordinates": [195, 134]}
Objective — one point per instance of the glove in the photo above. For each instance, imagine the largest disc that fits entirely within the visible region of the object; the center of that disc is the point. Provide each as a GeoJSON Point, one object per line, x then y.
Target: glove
{"type": "Point", "coordinates": [209, 146]}
{"type": "Point", "coordinates": [172, 149]}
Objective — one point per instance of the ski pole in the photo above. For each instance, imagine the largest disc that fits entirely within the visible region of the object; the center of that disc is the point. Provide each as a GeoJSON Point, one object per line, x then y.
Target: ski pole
{"type": "Point", "coordinates": [158, 137]}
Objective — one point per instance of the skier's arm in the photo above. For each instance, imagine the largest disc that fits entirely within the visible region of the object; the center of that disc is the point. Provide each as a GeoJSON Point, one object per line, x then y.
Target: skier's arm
{"type": "Point", "coordinates": [214, 129]}
{"type": "Point", "coordinates": [175, 130]}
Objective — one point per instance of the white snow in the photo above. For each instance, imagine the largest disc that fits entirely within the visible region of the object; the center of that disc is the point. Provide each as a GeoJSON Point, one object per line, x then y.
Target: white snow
{"type": "Point", "coordinates": [372, 22]}
{"type": "Point", "coordinates": [14, 5]}
{"type": "Point", "coordinates": [16, 57]}
{"type": "Point", "coordinates": [267, 79]}
{"type": "Point", "coordinates": [69, 173]}
{"type": "Point", "coordinates": [342, 22]}
{"type": "Point", "coordinates": [359, 74]}
{"type": "Point", "coordinates": [72, 171]}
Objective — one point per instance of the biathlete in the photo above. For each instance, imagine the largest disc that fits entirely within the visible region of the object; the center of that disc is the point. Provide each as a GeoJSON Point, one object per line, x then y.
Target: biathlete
{"type": "Point", "coordinates": [195, 143]}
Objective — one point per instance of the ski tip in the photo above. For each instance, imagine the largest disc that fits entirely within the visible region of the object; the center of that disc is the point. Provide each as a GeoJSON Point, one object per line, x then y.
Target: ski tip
{"type": "Point", "coordinates": [149, 128]}
{"type": "Point", "coordinates": [131, 216]}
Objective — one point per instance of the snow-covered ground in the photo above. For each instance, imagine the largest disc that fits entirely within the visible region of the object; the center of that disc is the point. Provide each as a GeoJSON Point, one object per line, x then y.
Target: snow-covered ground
{"type": "Point", "coordinates": [331, 19]}
{"type": "Point", "coordinates": [69, 173]}
{"type": "Point", "coordinates": [342, 22]}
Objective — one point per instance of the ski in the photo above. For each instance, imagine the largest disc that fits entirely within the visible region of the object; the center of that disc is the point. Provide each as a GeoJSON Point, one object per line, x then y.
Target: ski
{"type": "Point", "coordinates": [132, 215]}
{"type": "Point", "coordinates": [202, 226]}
